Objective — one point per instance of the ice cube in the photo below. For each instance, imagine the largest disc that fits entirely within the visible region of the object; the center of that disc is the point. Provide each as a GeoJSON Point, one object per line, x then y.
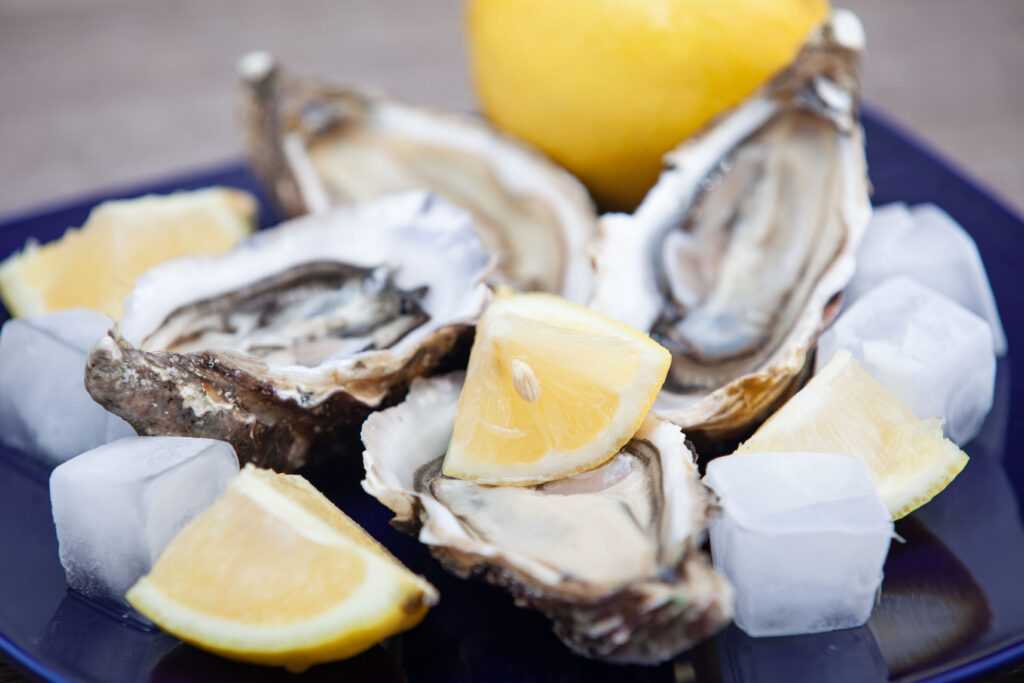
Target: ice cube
{"type": "Point", "coordinates": [933, 354]}
{"type": "Point", "coordinates": [44, 408]}
{"type": "Point", "coordinates": [803, 539]}
{"type": "Point", "coordinates": [929, 246]}
{"type": "Point", "coordinates": [118, 505]}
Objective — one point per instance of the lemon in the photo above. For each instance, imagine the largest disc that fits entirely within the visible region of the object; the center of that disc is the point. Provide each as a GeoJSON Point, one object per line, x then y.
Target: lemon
{"type": "Point", "coordinates": [552, 388]}
{"type": "Point", "coordinates": [844, 410]}
{"type": "Point", "coordinates": [606, 87]}
{"type": "Point", "coordinates": [95, 266]}
{"type": "Point", "coordinates": [273, 573]}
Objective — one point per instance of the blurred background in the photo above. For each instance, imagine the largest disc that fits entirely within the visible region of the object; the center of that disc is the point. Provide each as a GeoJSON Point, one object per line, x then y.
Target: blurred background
{"type": "Point", "coordinates": [102, 93]}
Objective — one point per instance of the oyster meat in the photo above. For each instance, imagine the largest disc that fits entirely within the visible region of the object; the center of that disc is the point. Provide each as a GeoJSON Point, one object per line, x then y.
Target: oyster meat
{"type": "Point", "coordinates": [736, 258]}
{"type": "Point", "coordinates": [283, 345]}
{"type": "Point", "coordinates": [612, 556]}
{"type": "Point", "coordinates": [317, 145]}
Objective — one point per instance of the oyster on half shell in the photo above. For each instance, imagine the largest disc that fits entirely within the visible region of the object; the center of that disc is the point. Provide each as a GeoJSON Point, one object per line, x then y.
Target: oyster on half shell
{"type": "Point", "coordinates": [612, 556]}
{"type": "Point", "coordinates": [317, 145]}
{"type": "Point", "coordinates": [283, 345]}
{"type": "Point", "coordinates": [736, 258]}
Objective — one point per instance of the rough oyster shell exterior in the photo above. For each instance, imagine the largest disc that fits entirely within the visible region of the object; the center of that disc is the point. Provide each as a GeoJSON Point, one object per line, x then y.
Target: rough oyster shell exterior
{"type": "Point", "coordinates": [280, 414]}
{"type": "Point", "coordinates": [658, 602]}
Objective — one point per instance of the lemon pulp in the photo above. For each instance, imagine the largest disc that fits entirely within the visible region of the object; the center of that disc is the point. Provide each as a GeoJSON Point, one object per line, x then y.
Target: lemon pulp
{"type": "Point", "coordinates": [95, 266]}
{"type": "Point", "coordinates": [845, 410]}
{"type": "Point", "coordinates": [272, 573]}
{"type": "Point", "coordinates": [552, 388]}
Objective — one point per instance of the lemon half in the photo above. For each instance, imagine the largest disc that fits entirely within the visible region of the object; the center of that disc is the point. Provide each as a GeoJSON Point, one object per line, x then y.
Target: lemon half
{"type": "Point", "coordinates": [606, 87]}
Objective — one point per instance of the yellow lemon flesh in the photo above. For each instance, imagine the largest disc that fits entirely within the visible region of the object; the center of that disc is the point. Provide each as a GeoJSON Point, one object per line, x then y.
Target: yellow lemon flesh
{"type": "Point", "coordinates": [273, 573]}
{"type": "Point", "coordinates": [845, 410]}
{"type": "Point", "coordinates": [552, 389]}
{"type": "Point", "coordinates": [95, 266]}
{"type": "Point", "coordinates": [606, 87]}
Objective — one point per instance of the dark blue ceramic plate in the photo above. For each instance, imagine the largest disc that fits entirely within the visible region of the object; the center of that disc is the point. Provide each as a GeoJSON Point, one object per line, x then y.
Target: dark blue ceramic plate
{"type": "Point", "coordinates": [952, 604]}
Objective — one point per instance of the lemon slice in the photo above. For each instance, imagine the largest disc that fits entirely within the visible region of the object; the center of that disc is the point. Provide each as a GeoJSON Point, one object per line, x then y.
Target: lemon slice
{"type": "Point", "coordinates": [845, 410]}
{"type": "Point", "coordinates": [552, 389]}
{"type": "Point", "coordinates": [95, 266]}
{"type": "Point", "coordinates": [272, 573]}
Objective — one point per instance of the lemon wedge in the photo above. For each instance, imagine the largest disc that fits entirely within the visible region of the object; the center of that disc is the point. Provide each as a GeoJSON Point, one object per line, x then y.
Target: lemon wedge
{"type": "Point", "coordinates": [273, 573]}
{"type": "Point", "coordinates": [552, 388]}
{"type": "Point", "coordinates": [845, 410]}
{"type": "Point", "coordinates": [95, 266]}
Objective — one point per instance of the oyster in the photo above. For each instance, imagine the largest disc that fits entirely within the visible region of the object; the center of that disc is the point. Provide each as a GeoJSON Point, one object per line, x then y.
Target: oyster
{"type": "Point", "coordinates": [550, 545]}
{"type": "Point", "coordinates": [318, 145]}
{"type": "Point", "coordinates": [736, 258]}
{"type": "Point", "coordinates": [283, 345]}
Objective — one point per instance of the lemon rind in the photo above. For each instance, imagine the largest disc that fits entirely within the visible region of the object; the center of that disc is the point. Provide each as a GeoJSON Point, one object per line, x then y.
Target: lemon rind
{"type": "Point", "coordinates": [381, 607]}
{"type": "Point", "coordinates": [941, 474]}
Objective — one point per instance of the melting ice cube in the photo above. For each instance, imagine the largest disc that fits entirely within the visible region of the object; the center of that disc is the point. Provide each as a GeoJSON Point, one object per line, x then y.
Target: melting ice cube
{"type": "Point", "coordinates": [933, 354]}
{"type": "Point", "coordinates": [118, 505]}
{"type": "Point", "coordinates": [44, 408]}
{"type": "Point", "coordinates": [929, 246]}
{"type": "Point", "coordinates": [803, 539]}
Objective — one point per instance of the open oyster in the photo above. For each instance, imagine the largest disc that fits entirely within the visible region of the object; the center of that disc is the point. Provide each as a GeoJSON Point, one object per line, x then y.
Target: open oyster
{"type": "Point", "coordinates": [283, 345]}
{"type": "Point", "coordinates": [317, 145]}
{"type": "Point", "coordinates": [735, 259]}
{"type": "Point", "coordinates": [612, 556]}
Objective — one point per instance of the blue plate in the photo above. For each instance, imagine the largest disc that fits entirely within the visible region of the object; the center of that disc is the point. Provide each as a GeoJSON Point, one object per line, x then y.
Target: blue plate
{"type": "Point", "coordinates": [951, 604]}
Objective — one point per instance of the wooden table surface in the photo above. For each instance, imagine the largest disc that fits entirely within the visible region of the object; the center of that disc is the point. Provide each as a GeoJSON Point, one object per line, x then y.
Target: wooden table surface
{"type": "Point", "coordinates": [108, 92]}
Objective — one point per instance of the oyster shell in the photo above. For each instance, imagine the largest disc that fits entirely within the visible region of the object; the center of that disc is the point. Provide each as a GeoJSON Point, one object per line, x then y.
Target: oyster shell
{"type": "Point", "coordinates": [318, 145]}
{"type": "Point", "coordinates": [548, 545]}
{"type": "Point", "coordinates": [736, 258]}
{"type": "Point", "coordinates": [283, 345]}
